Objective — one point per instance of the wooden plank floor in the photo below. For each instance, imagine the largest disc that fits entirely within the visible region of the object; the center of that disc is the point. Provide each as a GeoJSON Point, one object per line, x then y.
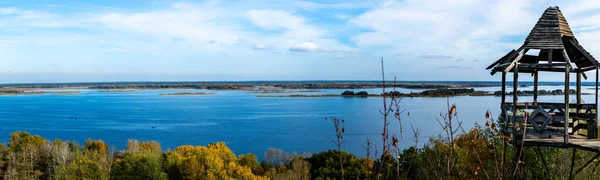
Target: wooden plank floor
{"type": "Point", "coordinates": [579, 142]}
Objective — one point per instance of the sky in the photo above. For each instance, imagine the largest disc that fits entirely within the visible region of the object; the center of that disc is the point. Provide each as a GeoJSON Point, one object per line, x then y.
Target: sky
{"type": "Point", "coordinates": [168, 40]}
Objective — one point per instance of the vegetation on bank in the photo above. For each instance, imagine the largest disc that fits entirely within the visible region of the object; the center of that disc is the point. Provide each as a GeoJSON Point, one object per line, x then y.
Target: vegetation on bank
{"type": "Point", "coordinates": [33, 157]}
{"type": "Point", "coordinates": [187, 93]}
{"type": "Point", "coordinates": [540, 92]}
{"type": "Point", "coordinates": [23, 92]}
{"type": "Point", "coordinates": [426, 93]}
{"type": "Point", "coordinates": [474, 154]}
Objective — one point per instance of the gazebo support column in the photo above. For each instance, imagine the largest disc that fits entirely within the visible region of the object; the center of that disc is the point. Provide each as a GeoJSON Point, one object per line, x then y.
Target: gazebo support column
{"type": "Point", "coordinates": [567, 67]}
{"type": "Point", "coordinates": [517, 134]}
{"type": "Point", "coordinates": [535, 88]}
{"type": "Point", "coordinates": [503, 89]}
{"type": "Point", "coordinates": [578, 108]}
{"type": "Point", "coordinates": [504, 115]}
{"type": "Point", "coordinates": [515, 98]}
{"type": "Point", "coordinates": [593, 125]}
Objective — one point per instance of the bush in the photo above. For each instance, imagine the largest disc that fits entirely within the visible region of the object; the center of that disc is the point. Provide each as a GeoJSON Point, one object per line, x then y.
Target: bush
{"type": "Point", "coordinates": [326, 165]}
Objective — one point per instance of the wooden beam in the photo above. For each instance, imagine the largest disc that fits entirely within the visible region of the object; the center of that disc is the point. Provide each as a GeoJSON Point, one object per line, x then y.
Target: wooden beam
{"type": "Point", "coordinates": [543, 161]}
{"type": "Point", "coordinates": [514, 62]}
{"type": "Point", "coordinates": [543, 69]}
{"type": "Point", "coordinates": [566, 134]}
{"type": "Point", "coordinates": [583, 51]}
{"type": "Point", "coordinates": [502, 58]}
{"type": "Point", "coordinates": [510, 63]}
{"type": "Point", "coordinates": [584, 69]}
{"type": "Point", "coordinates": [542, 65]}
{"type": "Point", "coordinates": [587, 164]}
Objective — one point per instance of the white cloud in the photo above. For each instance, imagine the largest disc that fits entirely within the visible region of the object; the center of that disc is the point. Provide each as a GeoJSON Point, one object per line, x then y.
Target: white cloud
{"type": "Point", "coordinates": [262, 47]}
{"type": "Point", "coordinates": [305, 47]}
{"type": "Point", "coordinates": [460, 29]}
{"type": "Point", "coordinates": [295, 26]}
{"type": "Point", "coordinates": [293, 31]}
{"type": "Point", "coordinates": [442, 25]}
{"type": "Point", "coordinates": [16, 17]}
{"type": "Point", "coordinates": [200, 23]}
{"type": "Point", "coordinates": [275, 19]}
{"type": "Point", "coordinates": [436, 29]}
{"type": "Point", "coordinates": [8, 11]}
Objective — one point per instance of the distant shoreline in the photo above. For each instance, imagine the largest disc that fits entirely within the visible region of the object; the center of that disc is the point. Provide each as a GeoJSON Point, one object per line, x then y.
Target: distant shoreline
{"type": "Point", "coordinates": [16, 93]}
{"type": "Point", "coordinates": [120, 90]}
{"type": "Point", "coordinates": [187, 94]}
{"type": "Point", "coordinates": [282, 85]}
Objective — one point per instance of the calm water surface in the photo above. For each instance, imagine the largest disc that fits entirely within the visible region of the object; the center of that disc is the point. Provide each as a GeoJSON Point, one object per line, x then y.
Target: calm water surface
{"type": "Point", "coordinates": [247, 123]}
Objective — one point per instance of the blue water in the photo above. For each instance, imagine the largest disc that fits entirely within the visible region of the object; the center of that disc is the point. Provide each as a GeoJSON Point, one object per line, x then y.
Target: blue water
{"type": "Point", "coordinates": [245, 122]}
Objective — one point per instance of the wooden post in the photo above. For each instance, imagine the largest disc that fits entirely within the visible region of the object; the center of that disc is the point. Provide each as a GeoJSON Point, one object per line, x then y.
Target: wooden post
{"type": "Point", "coordinates": [517, 136]}
{"type": "Point", "coordinates": [578, 89]}
{"type": "Point", "coordinates": [515, 100]}
{"type": "Point", "coordinates": [515, 86]}
{"type": "Point", "coordinates": [593, 125]}
{"type": "Point", "coordinates": [567, 68]}
{"type": "Point", "coordinates": [503, 88]}
{"type": "Point", "coordinates": [504, 117]}
{"type": "Point", "coordinates": [503, 103]}
{"type": "Point", "coordinates": [549, 55]}
{"type": "Point", "coordinates": [535, 88]}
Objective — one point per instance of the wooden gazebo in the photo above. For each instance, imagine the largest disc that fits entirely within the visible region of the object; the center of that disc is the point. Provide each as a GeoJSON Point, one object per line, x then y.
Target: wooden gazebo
{"type": "Point", "coordinates": [566, 125]}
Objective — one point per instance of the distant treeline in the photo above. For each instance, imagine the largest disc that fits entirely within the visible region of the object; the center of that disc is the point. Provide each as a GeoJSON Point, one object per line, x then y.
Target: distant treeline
{"type": "Point", "coordinates": [427, 93]}
{"type": "Point", "coordinates": [11, 91]}
{"type": "Point", "coordinates": [351, 93]}
{"type": "Point", "coordinates": [540, 92]}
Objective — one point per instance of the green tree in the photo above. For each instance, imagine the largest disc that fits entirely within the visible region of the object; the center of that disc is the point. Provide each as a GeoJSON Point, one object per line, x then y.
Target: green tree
{"type": "Point", "coordinates": [250, 161]}
{"type": "Point", "coordinates": [138, 166]}
{"type": "Point", "coordinates": [140, 161]}
{"type": "Point", "coordinates": [81, 167]}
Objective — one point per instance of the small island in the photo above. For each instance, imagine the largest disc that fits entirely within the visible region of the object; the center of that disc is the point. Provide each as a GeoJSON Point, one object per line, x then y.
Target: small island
{"type": "Point", "coordinates": [540, 92]}
{"type": "Point", "coordinates": [427, 93]}
{"type": "Point", "coordinates": [187, 94]}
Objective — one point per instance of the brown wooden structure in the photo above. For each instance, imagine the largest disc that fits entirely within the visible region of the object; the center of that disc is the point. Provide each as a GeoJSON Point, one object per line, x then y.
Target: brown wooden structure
{"type": "Point", "coordinates": [533, 123]}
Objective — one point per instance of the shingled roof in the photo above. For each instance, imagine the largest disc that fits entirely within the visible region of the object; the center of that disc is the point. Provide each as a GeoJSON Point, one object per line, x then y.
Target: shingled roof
{"type": "Point", "coordinates": [555, 41]}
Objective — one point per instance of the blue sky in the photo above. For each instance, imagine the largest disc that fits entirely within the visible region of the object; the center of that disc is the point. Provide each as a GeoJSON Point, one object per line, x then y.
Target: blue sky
{"type": "Point", "coordinates": [113, 40]}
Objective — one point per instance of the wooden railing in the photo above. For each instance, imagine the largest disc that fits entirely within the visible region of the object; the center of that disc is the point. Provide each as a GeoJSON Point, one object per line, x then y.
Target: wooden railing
{"type": "Point", "coordinates": [547, 120]}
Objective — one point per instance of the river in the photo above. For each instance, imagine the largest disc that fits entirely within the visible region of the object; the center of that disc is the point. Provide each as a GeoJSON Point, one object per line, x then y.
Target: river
{"type": "Point", "coordinates": [245, 122]}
